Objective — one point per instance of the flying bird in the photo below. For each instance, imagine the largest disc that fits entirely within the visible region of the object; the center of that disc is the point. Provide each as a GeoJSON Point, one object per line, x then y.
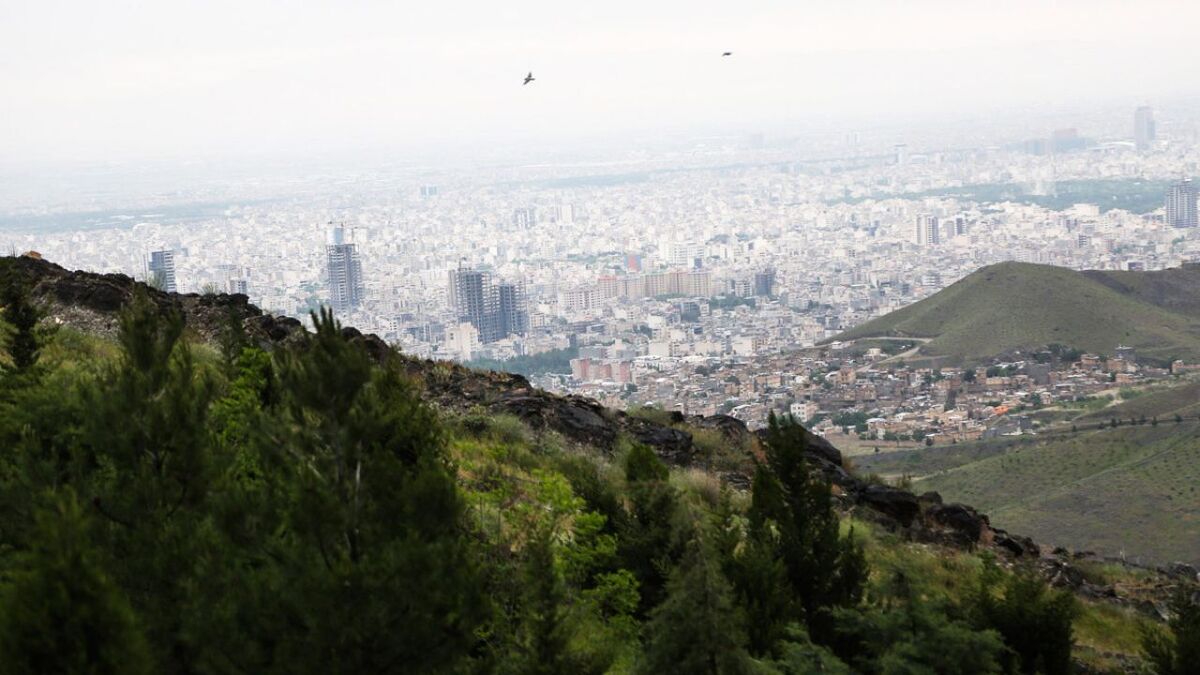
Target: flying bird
{"type": "Point", "coordinates": [727, 54]}
{"type": "Point", "coordinates": [528, 78]}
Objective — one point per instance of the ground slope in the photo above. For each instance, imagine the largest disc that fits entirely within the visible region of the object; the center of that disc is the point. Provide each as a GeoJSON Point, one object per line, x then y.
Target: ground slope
{"type": "Point", "coordinates": [1133, 490]}
{"type": "Point", "coordinates": [1012, 306]}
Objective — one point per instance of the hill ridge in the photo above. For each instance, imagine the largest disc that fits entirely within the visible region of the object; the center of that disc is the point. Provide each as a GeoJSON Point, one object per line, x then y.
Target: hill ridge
{"type": "Point", "coordinates": [1013, 306]}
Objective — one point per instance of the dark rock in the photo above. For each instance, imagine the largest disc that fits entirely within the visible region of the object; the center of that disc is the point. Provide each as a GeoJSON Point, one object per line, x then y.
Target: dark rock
{"type": "Point", "coordinates": [672, 445]}
{"type": "Point", "coordinates": [1062, 574]}
{"type": "Point", "coordinates": [835, 474]}
{"type": "Point", "coordinates": [732, 428]}
{"type": "Point", "coordinates": [963, 520]}
{"type": "Point", "coordinates": [735, 480]}
{"type": "Point", "coordinates": [817, 446]}
{"type": "Point", "coordinates": [898, 504]}
{"type": "Point", "coordinates": [577, 419]}
{"type": "Point", "coordinates": [1183, 571]}
{"type": "Point", "coordinates": [1016, 545]}
{"type": "Point", "coordinates": [930, 498]}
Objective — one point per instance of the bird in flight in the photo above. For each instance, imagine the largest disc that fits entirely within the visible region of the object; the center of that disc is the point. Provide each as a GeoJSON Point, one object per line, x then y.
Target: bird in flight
{"type": "Point", "coordinates": [528, 78]}
{"type": "Point", "coordinates": [727, 54]}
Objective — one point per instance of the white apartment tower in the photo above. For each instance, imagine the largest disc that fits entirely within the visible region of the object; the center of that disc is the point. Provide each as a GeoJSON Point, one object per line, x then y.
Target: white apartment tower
{"type": "Point", "coordinates": [926, 230]}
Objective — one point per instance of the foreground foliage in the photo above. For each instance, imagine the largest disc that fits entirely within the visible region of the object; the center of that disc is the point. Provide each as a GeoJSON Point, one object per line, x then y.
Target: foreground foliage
{"type": "Point", "coordinates": [172, 510]}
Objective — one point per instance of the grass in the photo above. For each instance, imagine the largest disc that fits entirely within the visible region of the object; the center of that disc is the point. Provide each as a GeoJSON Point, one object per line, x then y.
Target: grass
{"type": "Point", "coordinates": [1183, 400]}
{"type": "Point", "coordinates": [1106, 635]}
{"type": "Point", "coordinates": [1102, 630]}
{"type": "Point", "coordinates": [714, 448]}
{"type": "Point", "coordinates": [1131, 490]}
{"type": "Point", "coordinates": [1013, 306]}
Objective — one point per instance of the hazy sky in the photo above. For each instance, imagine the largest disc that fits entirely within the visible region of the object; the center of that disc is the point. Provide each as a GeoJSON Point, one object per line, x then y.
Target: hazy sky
{"type": "Point", "coordinates": [93, 79]}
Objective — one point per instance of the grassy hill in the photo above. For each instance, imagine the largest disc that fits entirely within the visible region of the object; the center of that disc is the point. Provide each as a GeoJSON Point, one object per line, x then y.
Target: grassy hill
{"type": "Point", "coordinates": [1011, 306]}
{"type": "Point", "coordinates": [1133, 489]}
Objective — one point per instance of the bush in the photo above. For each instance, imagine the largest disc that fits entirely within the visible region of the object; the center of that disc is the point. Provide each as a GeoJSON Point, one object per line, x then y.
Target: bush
{"type": "Point", "coordinates": [1035, 621]}
{"type": "Point", "coordinates": [1176, 651]}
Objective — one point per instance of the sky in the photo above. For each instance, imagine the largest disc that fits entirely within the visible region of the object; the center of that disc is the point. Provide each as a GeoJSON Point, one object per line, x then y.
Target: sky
{"type": "Point", "coordinates": [87, 80]}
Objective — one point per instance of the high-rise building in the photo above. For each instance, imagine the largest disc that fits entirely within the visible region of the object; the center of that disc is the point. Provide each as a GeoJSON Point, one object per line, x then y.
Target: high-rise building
{"type": "Point", "coordinates": [685, 254]}
{"type": "Point", "coordinates": [346, 288]}
{"type": "Point", "coordinates": [238, 286]}
{"type": "Point", "coordinates": [1181, 204]}
{"type": "Point", "coordinates": [764, 283]}
{"type": "Point", "coordinates": [512, 316]}
{"type": "Point", "coordinates": [927, 230]}
{"type": "Point", "coordinates": [901, 154]}
{"type": "Point", "coordinates": [161, 270]}
{"type": "Point", "coordinates": [1143, 128]}
{"type": "Point", "coordinates": [428, 191]}
{"type": "Point", "coordinates": [495, 309]}
{"type": "Point", "coordinates": [524, 218]}
{"type": "Point", "coordinates": [562, 214]}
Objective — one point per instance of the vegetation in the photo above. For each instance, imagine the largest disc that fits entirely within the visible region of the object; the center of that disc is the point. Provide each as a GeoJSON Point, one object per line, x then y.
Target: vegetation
{"type": "Point", "coordinates": [1130, 489]}
{"type": "Point", "coordinates": [303, 511]}
{"type": "Point", "coordinates": [1176, 651]}
{"type": "Point", "coordinates": [1013, 306]}
{"type": "Point", "coordinates": [1164, 403]}
{"type": "Point", "coordinates": [1135, 196]}
{"type": "Point", "coordinates": [553, 361]}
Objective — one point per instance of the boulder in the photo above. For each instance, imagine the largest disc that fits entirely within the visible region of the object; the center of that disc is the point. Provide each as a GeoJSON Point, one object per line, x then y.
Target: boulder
{"type": "Point", "coordinates": [673, 445]}
{"type": "Point", "coordinates": [959, 518]}
{"type": "Point", "coordinates": [574, 417]}
{"type": "Point", "coordinates": [731, 428]}
{"type": "Point", "coordinates": [1183, 571]}
{"type": "Point", "coordinates": [1016, 545]}
{"type": "Point", "coordinates": [900, 505]}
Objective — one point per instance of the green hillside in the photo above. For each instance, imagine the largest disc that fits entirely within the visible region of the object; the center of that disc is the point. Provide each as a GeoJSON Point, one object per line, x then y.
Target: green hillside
{"type": "Point", "coordinates": [1163, 403]}
{"type": "Point", "coordinates": [1013, 306]}
{"type": "Point", "coordinates": [175, 505]}
{"type": "Point", "coordinates": [1133, 489]}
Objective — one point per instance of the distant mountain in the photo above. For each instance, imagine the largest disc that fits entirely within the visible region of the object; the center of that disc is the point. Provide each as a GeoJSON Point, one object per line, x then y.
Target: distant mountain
{"type": "Point", "coordinates": [1016, 306]}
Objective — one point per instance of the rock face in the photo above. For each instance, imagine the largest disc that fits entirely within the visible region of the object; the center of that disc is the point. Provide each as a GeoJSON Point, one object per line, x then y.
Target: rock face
{"type": "Point", "coordinates": [90, 302]}
{"type": "Point", "coordinates": [898, 504]}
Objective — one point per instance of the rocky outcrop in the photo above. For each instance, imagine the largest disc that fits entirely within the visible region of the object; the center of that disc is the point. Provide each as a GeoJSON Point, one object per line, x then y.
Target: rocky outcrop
{"type": "Point", "coordinates": [960, 524]}
{"type": "Point", "coordinates": [900, 505]}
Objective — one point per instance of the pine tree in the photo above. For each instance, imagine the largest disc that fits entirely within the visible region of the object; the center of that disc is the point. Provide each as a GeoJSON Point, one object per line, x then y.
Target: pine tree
{"type": "Point", "coordinates": [647, 543]}
{"type": "Point", "coordinates": [544, 650]}
{"type": "Point", "coordinates": [752, 563]}
{"type": "Point", "coordinates": [697, 629]}
{"type": "Point", "coordinates": [1035, 621]}
{"type": "Point", "coordinates": [24, 339]}
{"type": "Point", "coordinates": [143, 460]}
{"type": "Point", "coordinates": [824, 569]}
{"type": "Point", "coordinates": [60, 612]}
{"type": "Point", "coordinates": [380, 577]}
{"type": "Point", "coordinates": [1176, 651]}
{"type": "Point", "coordinates": [232, 339]}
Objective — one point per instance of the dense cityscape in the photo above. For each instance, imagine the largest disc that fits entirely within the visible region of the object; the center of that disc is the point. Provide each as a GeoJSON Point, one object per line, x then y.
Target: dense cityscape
{"type": "Point", "coordinates": [686, 278]}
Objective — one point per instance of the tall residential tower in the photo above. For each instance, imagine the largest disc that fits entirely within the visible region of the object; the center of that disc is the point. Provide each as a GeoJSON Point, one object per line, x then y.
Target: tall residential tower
{"type": "Point", "coordinates": [345, 272]}
{"type": "Point", "coordinates": [1181, 204]}
{"type": "Point", "coordinates": [495, 309]}
{"type": "Point", "coordinates": [1143, 128]}
{"type": "Point", "coordinates": [161, 269]}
